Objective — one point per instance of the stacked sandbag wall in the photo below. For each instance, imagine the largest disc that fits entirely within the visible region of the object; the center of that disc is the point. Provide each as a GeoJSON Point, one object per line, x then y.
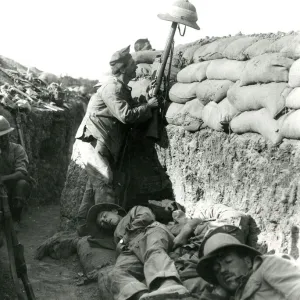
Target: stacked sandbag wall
{"type": "Point", "coordinates": [236, 84]}
{"type": "Point", "coordinates": [247, 86]}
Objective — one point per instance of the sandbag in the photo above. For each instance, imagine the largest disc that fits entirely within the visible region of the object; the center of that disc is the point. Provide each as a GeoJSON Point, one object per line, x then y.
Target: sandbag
{"type": "Point", "coordinates": [293, 99]}
{"type": "Point", "coordinates": [253, 97]}
{"type": "Point", "coordinates": [104, 283]}
{"type": "Point", "coordinates": [212, 90]}
{"type": "Point", "coordinates": [213, 50]}
{"type": "Point", "coordinates": [183, 92]}
{"type": "Point", "coordinates": [214, 114]}
{"type": "Point", "coordinates": [290, 127]}
{"type": "Point", "coordinates": [188, 115]}
{"type": "Point", "coordinates": [194, 72]}
{"type": "Point", "coordinates": [143, 70]}
{"type": "Point", "coordinates": [146, 56]}
{"type": "Point", "coordinates": [140, 88]}
{"type": "Point", "coordinates": [187, 57]}
{"type": "Point", "coordinates": [279, 44]}
{"type": "Point", "coordinates": [172, 113]}
{"type": "Point", "coordinates": [222, 69]}
{"type": "Point", "coordinates": [292, 50]}
{"type": "Point", "coordinates": [294, 74]}
{"type": "Point", "coordinates": [259, 47]}
{"type": "Point", "coordinates": [194, 108]}
{"type": "Point", "coordinates": [235, 50]}
{"type": "Point", "coordinates": [268, 67]}
{"type": "Point", "coordinates": [259, 121]}
{"type": "Point", "coordinates": [94, 258]}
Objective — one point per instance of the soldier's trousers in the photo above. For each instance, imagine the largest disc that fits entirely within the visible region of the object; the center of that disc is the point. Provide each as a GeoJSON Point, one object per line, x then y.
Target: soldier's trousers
{"type": "Point", "coordinates": [136, 269]}
{"type": "Point", "coordinates": [99, 187]}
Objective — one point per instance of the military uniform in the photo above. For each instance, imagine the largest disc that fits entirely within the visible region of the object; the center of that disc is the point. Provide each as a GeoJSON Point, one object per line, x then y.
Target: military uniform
{"type": "Point", "coordinates": [143, 244]}
{"type": "Point", "coordinates": [11, 161]}
{"type": "Point", "coordinates": [101, 135]}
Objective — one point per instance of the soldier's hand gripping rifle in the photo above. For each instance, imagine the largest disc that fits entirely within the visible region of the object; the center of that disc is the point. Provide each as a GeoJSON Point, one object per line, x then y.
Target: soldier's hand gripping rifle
{"type": "Point", "coordinates": [181, 12]}
{"type": "Point", "coordinates": [15, 250]}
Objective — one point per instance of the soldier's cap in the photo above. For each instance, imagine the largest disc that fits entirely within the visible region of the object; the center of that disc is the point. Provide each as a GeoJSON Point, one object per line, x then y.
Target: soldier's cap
{"type": "Point", "coordinates": [212, 247]}
{"type": "Point", "coordinates": [121, 56]}
{"type": "Point", "coordinates": [93, 212]}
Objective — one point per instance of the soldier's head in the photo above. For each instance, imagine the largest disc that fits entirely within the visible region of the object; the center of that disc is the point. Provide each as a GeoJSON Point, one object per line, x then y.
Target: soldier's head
{"type": "Point", "coordinates": [122, 63]}
{"type": "Point", "coordinates": [108, 219]}
{"type": "Point", "coordinates": [142, 44]}
{"type": "Point", "coordinates": [226, 261]}
{"type": "Point", "coordinates": [104, 216]}
{"type": "Point", "coordinates": [5, 129]}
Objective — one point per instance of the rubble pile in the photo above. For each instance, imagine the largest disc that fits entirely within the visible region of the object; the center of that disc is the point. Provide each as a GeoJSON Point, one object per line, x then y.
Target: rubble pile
{"type": "Point", "coordinates": [23, 88]}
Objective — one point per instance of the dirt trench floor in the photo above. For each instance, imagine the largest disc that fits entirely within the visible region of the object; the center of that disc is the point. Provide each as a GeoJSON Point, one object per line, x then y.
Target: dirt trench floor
{"type": "Point", "coordinates": [51, 279]}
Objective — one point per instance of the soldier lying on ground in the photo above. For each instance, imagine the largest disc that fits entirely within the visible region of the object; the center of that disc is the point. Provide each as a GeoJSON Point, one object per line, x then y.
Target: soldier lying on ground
{"type": "Point", "coordinates": [13, 171]}
{"type": "Point", "coordinates": [241, 272]}
{"type": "Point", "coordinates": [103, 130]}
{"type": "Point", "coordinates": [143, 267]}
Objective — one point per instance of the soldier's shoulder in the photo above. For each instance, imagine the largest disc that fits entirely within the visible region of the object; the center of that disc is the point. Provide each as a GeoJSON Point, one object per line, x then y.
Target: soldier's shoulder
{"type": "Point", "coordinates": [16, 148]}
{"type": "Point", "coordinates": [112, 86]}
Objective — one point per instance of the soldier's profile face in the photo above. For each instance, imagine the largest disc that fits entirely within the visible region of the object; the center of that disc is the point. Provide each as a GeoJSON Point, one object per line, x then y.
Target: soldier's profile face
{"type": "Point", "coordinates": [131, 69]}
{"type": "Point", "coordinates": [229, 268]}
{"type": "Point", "coordinates": [108, 219]}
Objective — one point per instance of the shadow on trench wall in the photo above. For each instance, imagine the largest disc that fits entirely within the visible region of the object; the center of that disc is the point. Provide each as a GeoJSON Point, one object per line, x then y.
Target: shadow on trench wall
{"type": "Point", "coordinates": [145, 178]}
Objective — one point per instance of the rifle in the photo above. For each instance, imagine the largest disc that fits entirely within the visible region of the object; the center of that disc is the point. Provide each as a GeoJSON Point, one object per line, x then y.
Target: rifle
{"type": "Point", "coordinates": [19, 128]}
{"type": "Point", "coordinates": [15, 250]}
{"type": "Point", "coordinates": [153, 129]}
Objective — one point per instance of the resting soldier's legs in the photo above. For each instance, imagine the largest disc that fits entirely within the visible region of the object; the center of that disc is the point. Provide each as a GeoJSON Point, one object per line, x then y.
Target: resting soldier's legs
{"type": "Point", "coordinates": [125, 280]}
{"type": "Point", "coordinates": [153, 251]}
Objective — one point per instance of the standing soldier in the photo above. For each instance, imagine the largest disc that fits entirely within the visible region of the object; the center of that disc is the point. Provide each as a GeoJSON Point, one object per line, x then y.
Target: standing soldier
{"type": "Point", "coordinates": [109, 113]}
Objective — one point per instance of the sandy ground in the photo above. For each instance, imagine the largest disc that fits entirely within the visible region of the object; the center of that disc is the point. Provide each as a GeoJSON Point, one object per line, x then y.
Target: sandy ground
{"type": "Point", "coordinates": [51, 279]}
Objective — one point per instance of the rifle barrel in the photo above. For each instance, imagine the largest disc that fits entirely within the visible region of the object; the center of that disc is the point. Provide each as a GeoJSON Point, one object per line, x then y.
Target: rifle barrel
{"type": "Point", "coordinates": [165, 58]}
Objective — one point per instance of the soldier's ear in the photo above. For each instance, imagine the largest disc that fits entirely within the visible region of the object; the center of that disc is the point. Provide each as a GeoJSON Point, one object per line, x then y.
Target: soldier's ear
{"type": "Point", "coordinates": [115, 211]}
{"type": "Point", "coordinates": [248, 261]}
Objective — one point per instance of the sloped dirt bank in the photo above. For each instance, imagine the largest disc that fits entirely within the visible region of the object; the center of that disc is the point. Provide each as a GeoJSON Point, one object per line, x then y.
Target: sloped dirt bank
{"type": "Point", "coordinates": [49, 136]}
{"type": "Point", "coordinates": [244, 172]}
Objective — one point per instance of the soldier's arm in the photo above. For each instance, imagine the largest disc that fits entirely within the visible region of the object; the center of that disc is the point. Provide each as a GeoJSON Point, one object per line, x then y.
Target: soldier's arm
{"type": "Point", "coordinates": [141, 217]}
{"type": "Point", "coordinates": [122, 110]}
{"type": "Point", "coordinates": [186, 232]}
{"type": "Point", "coordinates": [283, 275]}
{"type": "Point", "coordinates": [20, 165]}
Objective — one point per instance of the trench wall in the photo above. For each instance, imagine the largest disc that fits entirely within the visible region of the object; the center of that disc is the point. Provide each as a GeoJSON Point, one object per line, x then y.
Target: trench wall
{"type": "Point", "coordinates": [49, 137]}
{"type": "Point", "coordinates": [242, 171]}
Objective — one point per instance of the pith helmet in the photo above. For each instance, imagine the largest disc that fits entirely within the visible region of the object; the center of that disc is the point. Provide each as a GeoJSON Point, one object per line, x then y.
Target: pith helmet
{"type": "Point", "coordinates": [216, 243]}
{"type": "Point", "coordinates": [4, 126]}
{"type": "Point", "coordinates": [182, 12]}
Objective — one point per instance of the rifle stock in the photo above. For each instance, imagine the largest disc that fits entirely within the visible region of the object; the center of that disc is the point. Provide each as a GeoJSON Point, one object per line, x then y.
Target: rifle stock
{"type": "Point", "coordinates": [153, 129]}
{"type": "Point", "coordinates": [15, 250]}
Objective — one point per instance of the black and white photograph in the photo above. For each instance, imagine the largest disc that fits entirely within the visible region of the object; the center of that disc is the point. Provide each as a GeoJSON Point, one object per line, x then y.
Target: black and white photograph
{"type": "Point", "coordinates": [149, 150]}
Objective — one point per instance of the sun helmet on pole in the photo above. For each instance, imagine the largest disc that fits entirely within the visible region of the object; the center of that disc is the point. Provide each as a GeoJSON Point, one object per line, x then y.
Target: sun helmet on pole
{"type": "Point", "coordinates": [182, 12]}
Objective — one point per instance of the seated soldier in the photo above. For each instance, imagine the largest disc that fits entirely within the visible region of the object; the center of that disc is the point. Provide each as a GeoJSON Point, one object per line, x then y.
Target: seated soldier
{"type": "Point", "coordinates": [13, 171]}
{"type": "Point", "coordinates": [142, 44]}
{"type": "Point", "coordinates": [241, 272]}
{"type": "Point", "coordinates": [143, 267]}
